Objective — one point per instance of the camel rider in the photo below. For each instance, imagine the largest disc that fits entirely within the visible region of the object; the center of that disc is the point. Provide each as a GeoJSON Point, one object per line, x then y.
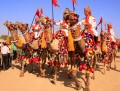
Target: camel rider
{"type": "Point", "coordinates": [63, 26]}
{"type": "Point", "coordinates": [90, 23]}
{"type": "Point", "coordinates": [111, 32]}
{"type": "Point", "coordinates": [36, 28]}
{"type": "Point", "coordinates": [47, 28]}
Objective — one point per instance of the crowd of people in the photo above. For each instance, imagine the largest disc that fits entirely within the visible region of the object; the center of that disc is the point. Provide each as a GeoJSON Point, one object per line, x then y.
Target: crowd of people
{"type": "Point", "coordinates": [7, 54]}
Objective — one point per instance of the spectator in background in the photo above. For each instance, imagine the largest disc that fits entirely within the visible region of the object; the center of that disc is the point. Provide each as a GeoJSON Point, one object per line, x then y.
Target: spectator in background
{"type": "Point", "coordinates": [4, 52]}
{"type": "Point", "coordinates": [9, 55]}
{"type": "Point", "coordinates": [0, 55]}
{"type": "Point", "coordinates": [14, 49]}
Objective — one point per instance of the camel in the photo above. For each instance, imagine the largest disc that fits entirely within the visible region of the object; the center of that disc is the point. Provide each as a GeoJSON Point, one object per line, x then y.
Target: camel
{"type": "Point", "coordinates": [43, 45]}
{"type": "Point", "coordinates": [12, 28]}
{"type": "Point", "coordinates": [80, 47]}
{"type": "Point", "coordinates": [108, 52]}
{"type": "Point", "coordinates": [16, 39]}
{"type": "Point", "coordinates": [31, 44]}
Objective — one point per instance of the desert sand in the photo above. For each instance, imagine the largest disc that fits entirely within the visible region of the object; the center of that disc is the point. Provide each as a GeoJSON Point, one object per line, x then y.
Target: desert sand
{"type": "Point", "coordinates": [10, 80]}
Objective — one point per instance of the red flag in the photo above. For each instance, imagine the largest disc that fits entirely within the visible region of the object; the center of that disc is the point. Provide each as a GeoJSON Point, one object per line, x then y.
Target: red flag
{"type": "Point", "coordinates": [40, 12]}
{"type": "Point", "coordinates": [74, 1]}
{"type": "Point", "coordinates": [100, 21]}
{"type": "Point", "coordinates": [54, 2]}
{"type": "Point", "coordinates": [37, 13]}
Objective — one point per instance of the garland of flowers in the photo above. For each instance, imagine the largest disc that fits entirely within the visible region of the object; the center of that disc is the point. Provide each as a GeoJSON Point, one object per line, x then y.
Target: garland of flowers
{"type": "Point", "coordinates": [62, 52]}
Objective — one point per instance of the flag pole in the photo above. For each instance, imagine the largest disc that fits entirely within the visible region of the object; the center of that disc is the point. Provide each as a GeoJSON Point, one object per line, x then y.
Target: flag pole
{"type": "Point", "coordinates": [32, 21]}
{"type": "Point", "coordinates": [73, 7]}
{"type": "Point", "coordinates": [101, 25]}
{"type": "Point", "coordinates": [53, 17]}
{"type": "Point", "coordinates": [105, 25]}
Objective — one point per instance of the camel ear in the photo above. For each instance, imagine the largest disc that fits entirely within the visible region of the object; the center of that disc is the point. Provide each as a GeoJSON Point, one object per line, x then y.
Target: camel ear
{"type": "Point", "coordinates": [16, 23]}
{"type": "Point", "coordinates": [4, 23]}
{"type": "Point", "coordinates": [26, 25]}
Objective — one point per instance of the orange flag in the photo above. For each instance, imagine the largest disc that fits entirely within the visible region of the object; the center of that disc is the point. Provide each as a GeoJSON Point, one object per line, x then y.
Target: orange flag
{"type": "Point", "coordinates": [54, 2]}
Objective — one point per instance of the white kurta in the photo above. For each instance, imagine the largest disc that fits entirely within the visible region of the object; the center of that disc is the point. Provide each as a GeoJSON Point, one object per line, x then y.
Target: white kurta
{"type": "Point", "coordinates": [36, 27]}
{"type": "Point", "coordinates": [92, 22]}
{"type": "Point", "coordinates": [64, 26]}
{"type": "Point", "coordinates": [112, 35]}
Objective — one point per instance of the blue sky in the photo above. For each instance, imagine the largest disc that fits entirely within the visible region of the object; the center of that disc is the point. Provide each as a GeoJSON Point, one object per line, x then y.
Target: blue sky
{"type": "Point", "coordinates": [24, 10]}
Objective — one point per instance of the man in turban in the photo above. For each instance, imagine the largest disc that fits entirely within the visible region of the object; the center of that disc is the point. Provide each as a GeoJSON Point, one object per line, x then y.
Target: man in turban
{"type": "Point", "coordinates": [111, 32]}
{"type": "Point", "coordinates": [63, 26]}
{"type": "Point", "coordinates": [90, 23]}
{"type": "Point", "coordinates": [36, 28]}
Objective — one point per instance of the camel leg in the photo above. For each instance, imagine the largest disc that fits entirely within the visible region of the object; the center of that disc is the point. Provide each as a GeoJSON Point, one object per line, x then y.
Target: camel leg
{"type": "Point", "coordinates": [31, 67]}
{"type": "Point", "coordinates": [114, 64]}
{"type": "Point", "coordinates": [41, 68]}
{"type": "Point", "coordinates": [109, 66]}
{"type": "Point", "coordinates": [93, 76]}
{"type": "Point", "coordinates": [71, 55]}
{"type": "Point", "coordinates": [114, 60]}
{"type": "Point", "coordinates": [104, 62]}
{"type": "Point", "coordinates": [22, 71]}
{"type": "Point", "coordinates": [43, 65]}
{"type": "Point", "coordinates": [55, 70]}
{"type": "Point", "coordinates": [55, 75]}
{"type": "Point", "coordinates": [12, 63]}
{"type": "Point", "coordinates": [87, 83]}
{"type": "Point", "coordinates": [72, 63]}
{"type": "Point", "coordinates": [71, 66]}
{"type": "Point", "coordinates": [94, 66]}
{"type": "Point", "coordinates": [41, 71]}
{"type": "Point", "coordinates": [104, 68]}
{"type": "Point", "coordinates": [43, 62]}
{"type": "Point", "coordinates": [110, 62]}
{"type": "Point", "coordinates": [16, 60]}
{"type": "Point", "coordinates": [78, 86]}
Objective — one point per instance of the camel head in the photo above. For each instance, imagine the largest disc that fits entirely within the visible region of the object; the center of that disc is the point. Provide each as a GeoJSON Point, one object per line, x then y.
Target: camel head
{"type": "Point", "coordinates": [7, 23]}
{"type": "Point", "coordinates": [11, 26]}
{"type": "Point", "coordinates": [43, 20]}
{"type": "Point", "coordinates": [46, 21]}
{"type": "Point", "coordinates": [66, 14]}
{"type": "Point", "coordinates": [70, 17]}
{"type": "Point", "coordinates": [23, 27]}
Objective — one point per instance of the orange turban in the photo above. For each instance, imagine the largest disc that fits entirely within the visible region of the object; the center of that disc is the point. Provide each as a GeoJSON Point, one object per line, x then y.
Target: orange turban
{"type": "Point", "coordinates": [109, 25]}
{"type": "Point", "coordinates": [37, 20]}
{"type": "Point", "coordinates": [87, 10]}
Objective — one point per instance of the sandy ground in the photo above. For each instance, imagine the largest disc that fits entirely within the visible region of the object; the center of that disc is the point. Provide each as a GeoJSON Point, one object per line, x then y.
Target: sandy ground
{"type": "Point", "coordinates": [10, 80]}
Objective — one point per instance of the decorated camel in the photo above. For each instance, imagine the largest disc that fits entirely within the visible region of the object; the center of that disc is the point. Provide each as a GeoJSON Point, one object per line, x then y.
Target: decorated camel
{"type": "Point", "coordinates": [31, 44]}
{"type": "Point", "coordinates": [12, 28]}
{"type": "Point", "coordinates": [42, 42]}
{"type": "Point", "coordinates": [109, 49]}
